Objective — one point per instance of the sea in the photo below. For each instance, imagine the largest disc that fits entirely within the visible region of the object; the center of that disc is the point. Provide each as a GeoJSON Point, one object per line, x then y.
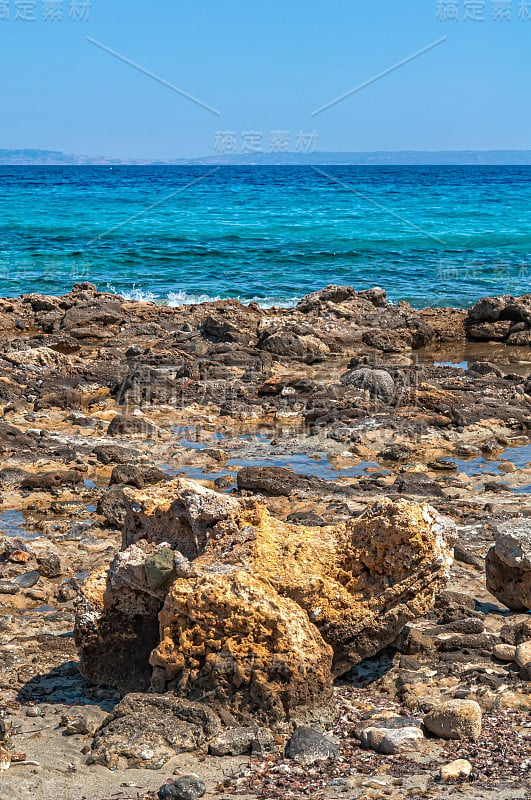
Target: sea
{"type": "Point", "coordinates": [431, 235]}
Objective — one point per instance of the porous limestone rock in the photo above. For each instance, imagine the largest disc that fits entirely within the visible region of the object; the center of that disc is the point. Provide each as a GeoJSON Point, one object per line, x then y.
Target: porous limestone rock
{"type": "Point", "coordinates": [508, 564]}
{"type": "Point", "coordinates": [455, 719]}
{"type": "Point", "coordinates": [258, 615]}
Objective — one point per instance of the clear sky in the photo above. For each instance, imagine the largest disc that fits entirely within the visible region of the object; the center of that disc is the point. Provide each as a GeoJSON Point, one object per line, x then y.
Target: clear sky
{"type": "Point", "coordinates": [265, 66]}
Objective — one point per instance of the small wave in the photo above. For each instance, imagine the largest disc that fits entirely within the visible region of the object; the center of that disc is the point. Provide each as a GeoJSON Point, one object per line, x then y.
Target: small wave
{"type": "Point", "coordinates": [140, 295]}
{"type": "Point", "coordinates": [183, 298]}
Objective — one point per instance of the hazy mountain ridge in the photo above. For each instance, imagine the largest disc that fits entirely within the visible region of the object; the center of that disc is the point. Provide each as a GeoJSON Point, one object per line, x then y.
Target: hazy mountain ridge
{"type": "Point", "coordinates": [28, 157]}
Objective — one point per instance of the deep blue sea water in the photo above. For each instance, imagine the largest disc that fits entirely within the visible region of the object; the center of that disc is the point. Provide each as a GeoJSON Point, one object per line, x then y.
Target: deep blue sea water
{"type": "Point", "coordinates": [430, 235]}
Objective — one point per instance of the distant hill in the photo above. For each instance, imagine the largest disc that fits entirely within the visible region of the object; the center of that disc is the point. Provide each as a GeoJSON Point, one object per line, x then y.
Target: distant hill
{"type": "Point", "coordinates": [377, 158]}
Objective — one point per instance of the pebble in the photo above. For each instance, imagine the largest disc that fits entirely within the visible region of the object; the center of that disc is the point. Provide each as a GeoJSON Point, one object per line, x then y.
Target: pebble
{"type": "Point", "coordinates": [461, 768]}
{"type": "Point", "coordinates": [187, 787]}
{"type": "Point", "coordinates": [27, 580]}
{"type": "Point", "coordinates": [6, 587]}
{"type": "Point", "coordinates": [308, 745]}
{"type": "Point", "coordinates": [391, 742]}
{"type": "Point", "coordinates": [523, 654]}
{"type": "Point", "coordinates": [455, 719]}
{"type": "Point", "coordinates": [504, 652]}
{"type": "Point", "coordinates": [240, 741]}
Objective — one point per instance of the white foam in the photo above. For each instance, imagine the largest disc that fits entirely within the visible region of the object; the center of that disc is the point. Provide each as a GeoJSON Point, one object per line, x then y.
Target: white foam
{"type": "Point", "coordinates": [183, 298]}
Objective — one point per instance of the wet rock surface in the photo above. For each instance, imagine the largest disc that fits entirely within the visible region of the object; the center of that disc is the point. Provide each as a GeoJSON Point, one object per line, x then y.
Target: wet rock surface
{"type": "Point", "coordinates": [313, 414]}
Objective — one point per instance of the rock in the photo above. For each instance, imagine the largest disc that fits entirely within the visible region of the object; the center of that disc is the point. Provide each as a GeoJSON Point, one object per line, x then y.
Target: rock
{"type": "Point", "coordinates": [27, 580]}
{"type": "Point", "coordinates": [504, 652]}
{"type": "Point", "coordinates": [522, 655]}
{"type": "Point", "coordinates": [274, 481]}
{"type": "Point", "coordinates": [232, 322]}
{"type": "Point", "coordinates": [307, 746]}
{"type": "Point", "coordinates": [295, 344]}
{"type": "Point", "coordinates": [7, 587]}
{"type": "Point", "coordinates": [516, 633]}
{"type": "Point", "coordinates": [419, 484]}
{"type": "Point", "coordinates": [396, 453]}
{"type": "Point", "coordinates": [46, 481]}
{"type": "Point", "coordinates": [145, 730]}
{"type": "Point", "coordinates": [489, 331]}
{"type": "Point", "coordinates": [112, 506]}
{"type": "Point", "coordinates": [137, 475]}
{"type": "Point", "coordinates": [508, 565]}
{"type": "Point", "coordinates": [455, 719]}
{"type": "Point", "coordinates": [65, 398]}
{"type": "Point", "coordinates": [455, 771]}
{"type": "Point", "coordinates": [187, 787]}
{"type": "Point", "coordinates": [94, 315]}
{"type": "Point", "coordinates": [466, 556]}
{"type": "Point", "coordinates": [331, 294]}
{"type": "Point", "coordinates": [42, 357]}
{"type": "Point", "coordinates": [485, 368]}
{"type": "Point", "coordinates": [513, 543]}
{"type": "Point", "coordinates": [308, 518]}
{"type": "Point", "coordinates": [451, 644]}
{"type": "Point", "coordinates": [77, 725]}
{"type": "Point", "coordinates": [525, 672]}
{"type": "Point", "coordinates": [160, 568]}
{"type": "Point", "coordinates": [113, 454]}
{"type": "Point", "coordinates": [243, 741]}
{"type": "Point", "coordinates": [49, 565]}
{"type": "Point", "coordinates": [459, 601]}
{"type": "Point", "coordinates": [262, 613]}
{"type": "Point", "coordinates": [392, 741]}
{"type": "Point", "coordinates": [14, 440]}
{"type": "Point", "coordinates": [128, 425]}
{"type": "Point", "coordinates": [378, 382]}
{"type": "Point", "coordinates": [412, 642]}
{"type": "Point", "coordinates": [12, 477]}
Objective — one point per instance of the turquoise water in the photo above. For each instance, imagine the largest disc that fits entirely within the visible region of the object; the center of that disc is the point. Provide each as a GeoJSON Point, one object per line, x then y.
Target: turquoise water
{"type": "Point", "coordinates": [430, 235]}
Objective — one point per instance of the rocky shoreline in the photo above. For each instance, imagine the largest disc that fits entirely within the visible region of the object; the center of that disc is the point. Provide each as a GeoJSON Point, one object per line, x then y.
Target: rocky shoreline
{"type": "Point", "coordinates": [341, 490]}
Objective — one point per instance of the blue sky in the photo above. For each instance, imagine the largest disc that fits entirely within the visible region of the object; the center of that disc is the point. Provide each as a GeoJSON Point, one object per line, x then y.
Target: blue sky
{"type": "Point", "coordinates": [266, 67]}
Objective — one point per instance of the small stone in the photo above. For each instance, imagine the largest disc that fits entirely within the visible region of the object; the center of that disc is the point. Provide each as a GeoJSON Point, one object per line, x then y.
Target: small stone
{"type": "Point", "coordinates": [241, 741]}
{"type": "Point", "coordinates": [525, 672]}
{"type": "Point", "coordinates": [307, 746]}
{"type": "Point", "coordinates": [523, 654]}
{"type": "Point", "coordinates": [504, 652]}
{"type": "Point", "coordinates": [455, 719]}
{"type": "Point", "coordinates": [6, 587]}
{"type": "Point", "coordinates": [456, 770]}
{"type": "Point", "coordinates": [516, 633]}
{"type": "Point", "coordinates": [187, 787]}
{"type": "Point", "coordinates": [378, 382]}
{"type": "Point", "coordinates": [391, 742]}
{"type": "Point", "coordinates": [160, 568]}
{"type": "Point", "coordinates": [77, 725]}
{"type": "Point", "coordinates": [34, 711]}
{"type": "Point", "coordinates": [411, 642]}
{"type": "Point", "coordinates": [5, 759]}
{"type": "Point", "coordinates": [508, 565]}
{"type": "Point", "coordinates": [27, 580]}
{"type": "Point", "coordinates": [49, 565]}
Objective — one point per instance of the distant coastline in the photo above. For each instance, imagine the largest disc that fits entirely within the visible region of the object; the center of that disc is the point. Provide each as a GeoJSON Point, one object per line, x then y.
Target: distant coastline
{"type": "Point", "coordinates": [27, 157]}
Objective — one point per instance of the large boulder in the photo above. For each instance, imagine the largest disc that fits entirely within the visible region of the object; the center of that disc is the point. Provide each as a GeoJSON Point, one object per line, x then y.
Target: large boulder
{"type": "Point", "coordinates": [216, 600]}
{"type": "Point", "coordinates": [508, 564]}
{"type": "Point", "coordinates": [500, 318]}
{"type": "Point", "coordinates": [145, 730]}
